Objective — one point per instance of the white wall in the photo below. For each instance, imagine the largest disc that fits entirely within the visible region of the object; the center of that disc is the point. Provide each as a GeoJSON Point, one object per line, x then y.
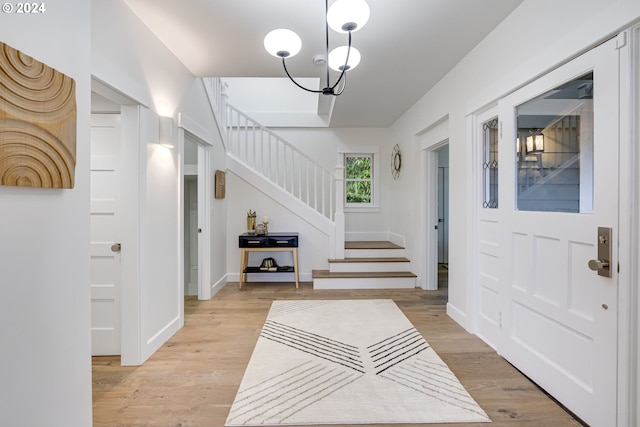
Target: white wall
{"type": "Point", "coordinates": [197, 118]}
{"type": "Point", "coordinates": [45, 375]}
{"type": "Point", "coordinates": [322, 145]}
{"type": "Point", "coordinates": [506, 59]}
{"type": "Point", "coordinates": [313, 251]}
{"type": "Point", "coordinates": [127, 57]}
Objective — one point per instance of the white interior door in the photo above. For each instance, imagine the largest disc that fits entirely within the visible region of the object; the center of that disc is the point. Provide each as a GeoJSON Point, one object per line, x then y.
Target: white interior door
{"type": "Point", "coordinates": [105, 257]}
{"type": "Point", "coordinates": [559, 318]}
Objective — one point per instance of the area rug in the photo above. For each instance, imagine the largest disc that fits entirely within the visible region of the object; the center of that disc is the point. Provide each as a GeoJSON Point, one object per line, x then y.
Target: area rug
{"type": "Point", "coordinates": [347, 362]}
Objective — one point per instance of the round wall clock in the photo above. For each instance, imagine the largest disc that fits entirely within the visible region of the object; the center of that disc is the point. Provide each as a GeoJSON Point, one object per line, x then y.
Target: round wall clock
{"type": "Point", "coordinates": [396, 162]}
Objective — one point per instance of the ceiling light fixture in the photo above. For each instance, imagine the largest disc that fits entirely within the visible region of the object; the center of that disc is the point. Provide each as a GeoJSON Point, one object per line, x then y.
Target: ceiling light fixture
{"type": "Point", "coordinates": [344, 16]}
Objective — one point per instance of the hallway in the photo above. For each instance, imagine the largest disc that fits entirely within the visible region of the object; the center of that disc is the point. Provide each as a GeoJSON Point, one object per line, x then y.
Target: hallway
{"type": "Point", "coordinates": [193, 378]}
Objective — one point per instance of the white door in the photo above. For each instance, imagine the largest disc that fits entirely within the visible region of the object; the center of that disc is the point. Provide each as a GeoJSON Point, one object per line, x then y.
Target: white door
{"type": "Point", "coordinates": [560, 318]}
{"type": "Point", "coordinates": [105, 257]}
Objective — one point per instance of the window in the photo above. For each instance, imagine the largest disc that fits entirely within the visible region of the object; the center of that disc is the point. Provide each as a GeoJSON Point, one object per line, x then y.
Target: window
{"type": "Point", "coordinates": [490, 163]}
{"type": "Point", "coordinates": [554, 148]}
{"type": "Point", "coordinates": [358, 180]}
{"type": "Point", "coordinates": [361, 179]}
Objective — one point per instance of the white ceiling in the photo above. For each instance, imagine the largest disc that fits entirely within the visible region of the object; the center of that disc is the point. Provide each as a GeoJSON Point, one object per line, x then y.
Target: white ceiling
{"type": "Point", "coordinates": [406, 47]}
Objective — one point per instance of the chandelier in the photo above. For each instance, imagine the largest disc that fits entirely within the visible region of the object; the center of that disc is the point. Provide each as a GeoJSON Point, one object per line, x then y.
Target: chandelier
{"type": "Point", "coordinates": [344, 16]}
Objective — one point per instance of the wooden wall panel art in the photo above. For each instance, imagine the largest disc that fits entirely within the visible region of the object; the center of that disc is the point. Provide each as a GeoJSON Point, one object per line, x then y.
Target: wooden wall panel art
{"type": "Point", "coordinates": [37, 123]}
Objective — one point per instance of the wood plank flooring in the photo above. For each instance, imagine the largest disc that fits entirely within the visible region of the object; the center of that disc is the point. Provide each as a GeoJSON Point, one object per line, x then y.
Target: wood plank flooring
{"type": "Point", "coordinates": [193, 378]}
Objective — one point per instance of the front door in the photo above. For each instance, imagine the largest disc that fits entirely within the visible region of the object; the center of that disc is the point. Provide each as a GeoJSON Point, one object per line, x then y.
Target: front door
{"type": "Point", "coordinates": [559, 184]}
{"type": "Point", "coordinates": [105, 252]}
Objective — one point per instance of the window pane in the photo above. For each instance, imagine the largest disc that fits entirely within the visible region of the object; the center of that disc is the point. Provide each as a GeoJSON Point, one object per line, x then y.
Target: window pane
{"type": "Point", "coordinates": [358, 179]}
{"type": "Point", "coordinates": [490, 163]}
{"type": "Point", "coordinates": [358, 191]}
{"type": "Point", "coordinates": [554, 149]}
{"type": "Point", "coordinates": [358, 167]}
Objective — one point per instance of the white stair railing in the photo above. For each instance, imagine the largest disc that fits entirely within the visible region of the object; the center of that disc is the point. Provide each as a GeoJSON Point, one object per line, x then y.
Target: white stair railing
{"type": "Point", "coordinates": [273, 158]}
{"type": "Point", "coordinates": [279, 162]}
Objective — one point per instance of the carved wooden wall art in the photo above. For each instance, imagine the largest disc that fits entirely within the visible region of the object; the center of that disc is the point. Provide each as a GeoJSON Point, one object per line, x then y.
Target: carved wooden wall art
{"type": "Point", "coordinates": [37, 123]}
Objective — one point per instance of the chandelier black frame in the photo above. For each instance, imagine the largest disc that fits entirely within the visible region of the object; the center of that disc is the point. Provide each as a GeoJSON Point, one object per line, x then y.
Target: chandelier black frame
{"type": "Point", "coordinates": [346, 25]}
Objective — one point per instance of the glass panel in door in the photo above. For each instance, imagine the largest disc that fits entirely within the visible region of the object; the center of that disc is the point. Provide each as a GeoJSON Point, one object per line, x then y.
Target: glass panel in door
{"type": "Point", "coordinates": [554, 149]}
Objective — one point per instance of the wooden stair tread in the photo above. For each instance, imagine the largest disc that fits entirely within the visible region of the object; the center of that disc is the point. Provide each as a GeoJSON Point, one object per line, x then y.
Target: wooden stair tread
{"type": "Point", "coordinates": [353, 260]}
{"type": "Point", "coordinates": [365, 244]}
{"type": "Point", "coordinates": [326, 274]}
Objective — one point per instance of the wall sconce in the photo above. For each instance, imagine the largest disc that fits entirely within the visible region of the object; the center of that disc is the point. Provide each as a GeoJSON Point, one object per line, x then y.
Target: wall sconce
{"type": "Point", "coordinates": [535, 143]}
{"type": "Point", "coordinates": [165, 132]}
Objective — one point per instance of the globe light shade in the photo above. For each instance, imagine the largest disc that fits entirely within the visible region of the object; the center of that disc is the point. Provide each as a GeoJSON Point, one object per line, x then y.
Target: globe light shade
{"type": "Point", "coordinates": [338, 56]}
{"type": "Point", "coordinates": [348, 15]}
{"type": "Point", "coordinates": [282, 43]}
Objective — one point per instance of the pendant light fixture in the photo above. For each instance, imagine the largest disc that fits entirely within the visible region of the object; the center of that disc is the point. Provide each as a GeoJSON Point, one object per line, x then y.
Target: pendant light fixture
{"type": "Point", "coordinates": [344, 16]}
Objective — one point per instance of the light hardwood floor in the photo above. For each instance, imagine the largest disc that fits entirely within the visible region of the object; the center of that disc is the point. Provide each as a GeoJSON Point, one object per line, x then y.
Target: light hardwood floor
{"type": "Point", "coordinates": [193, 378]}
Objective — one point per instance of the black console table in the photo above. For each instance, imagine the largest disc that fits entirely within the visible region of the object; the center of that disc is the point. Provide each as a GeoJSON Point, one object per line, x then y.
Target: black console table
{"type": "Point", "coordinates": [273, 242]}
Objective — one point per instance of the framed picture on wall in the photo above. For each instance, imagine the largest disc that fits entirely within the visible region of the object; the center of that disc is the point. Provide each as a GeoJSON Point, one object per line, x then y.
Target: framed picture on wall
{"type": "Point", "coordinates": [219, 184]}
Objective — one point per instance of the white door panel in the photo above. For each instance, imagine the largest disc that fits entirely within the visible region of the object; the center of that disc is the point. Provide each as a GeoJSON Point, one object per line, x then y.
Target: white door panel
{"type": "Point", "coordinates": [560, 318]}
{"type": "Point", "coordinates": [105, 263]}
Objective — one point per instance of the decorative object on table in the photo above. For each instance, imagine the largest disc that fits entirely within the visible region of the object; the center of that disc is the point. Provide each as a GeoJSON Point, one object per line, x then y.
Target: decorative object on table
{"type": "Point", "coordinates": [347, 362]}
{"type": "Point", "coordinates": [265, 223]}
{"type": "Point", "coordinates": [269, 264]}
{"type": "Point", "coordinates": [396, 161]}
{"type": "Point", "coordinates": [260, 229]}
{"type": "Point", "coordinates": [220, 179]}
{"type": "Point", "coordinates": [37, 123]}
{"type": "Point", "coordinates": [251, 222]}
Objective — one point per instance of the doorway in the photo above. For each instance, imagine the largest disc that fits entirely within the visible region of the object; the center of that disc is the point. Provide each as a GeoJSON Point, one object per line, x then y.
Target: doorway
{"type": "Point", "coordinates": [435, 196]}
{"type": "Point", "coordinates": [191, 253]}
{"type": "Point", "coordinates": [197, 192]}
{"type": "Point", "coordinates": [443, 216]}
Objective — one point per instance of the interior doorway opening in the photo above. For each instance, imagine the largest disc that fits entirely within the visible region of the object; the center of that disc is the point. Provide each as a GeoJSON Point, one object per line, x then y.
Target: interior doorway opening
{"type": "Point", "coordinates": [191, 227]}
{"type": "Point", "coordinates": [443, 216]}
{"type": "Point", "coordinates": [436, 222]}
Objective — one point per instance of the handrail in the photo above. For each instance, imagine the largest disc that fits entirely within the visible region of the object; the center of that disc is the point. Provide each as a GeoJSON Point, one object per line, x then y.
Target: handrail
{"type": "Point", "coordinates": [278, 161]}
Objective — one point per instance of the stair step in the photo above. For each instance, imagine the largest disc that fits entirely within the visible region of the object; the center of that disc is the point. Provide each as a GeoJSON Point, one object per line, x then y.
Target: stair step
{"type": "Point", "coordinates": [388, 264]}
{"type": "Point", "coordinates": [366, 274]}
{"type": "Point", "coordinates": [371, 259]}
{"type": "Point", "coordinates": [324, 279]}
{"type": "Point", "coordinates": [373, 244]}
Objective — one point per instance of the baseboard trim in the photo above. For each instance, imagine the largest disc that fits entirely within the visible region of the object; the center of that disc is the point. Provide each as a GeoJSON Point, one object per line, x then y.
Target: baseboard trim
{"type": "Point", "coordinates": [457, 315]}
{"type": "Point", "coordinates": [215, 287]}
{"type": "Point", "coordinates": [157, 340]}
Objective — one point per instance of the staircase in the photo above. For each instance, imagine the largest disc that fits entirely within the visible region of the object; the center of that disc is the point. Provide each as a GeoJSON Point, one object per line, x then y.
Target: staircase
{"type": "Point", "coordinates": [367, 265]}
{"type": "Point", "coordinates": [289, 176]}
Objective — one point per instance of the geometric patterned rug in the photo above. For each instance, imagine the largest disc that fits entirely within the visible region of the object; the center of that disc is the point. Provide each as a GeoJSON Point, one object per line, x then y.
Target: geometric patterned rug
{"type": "Point", "coordinates": [346, 362]}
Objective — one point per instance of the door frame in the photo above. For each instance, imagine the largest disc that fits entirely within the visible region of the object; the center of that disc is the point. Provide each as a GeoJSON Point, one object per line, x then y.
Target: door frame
{"type": "Point", "coordinates": [430, 140]}
{"type": "Point", "coordinates": [129, 220]}
{"type": "Point", "coordinates": [629, 225]}
{"type": "Point", "coordinates": [205, 142]}
{"type": "Point", "coordinates": [628, 377]}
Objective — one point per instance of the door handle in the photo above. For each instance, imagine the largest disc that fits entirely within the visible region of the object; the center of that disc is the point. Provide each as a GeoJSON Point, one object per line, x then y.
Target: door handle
{"type": "Point", "coordinates": [597, 264]}
{"type": "Point", "coordinates": [602, 264]}
{"type": "Point", "coordinates": [116, 247]}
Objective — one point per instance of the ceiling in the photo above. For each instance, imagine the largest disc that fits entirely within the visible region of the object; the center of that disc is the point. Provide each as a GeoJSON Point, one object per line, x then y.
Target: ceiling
{"type": "Point", "coordinates": [407, 46]}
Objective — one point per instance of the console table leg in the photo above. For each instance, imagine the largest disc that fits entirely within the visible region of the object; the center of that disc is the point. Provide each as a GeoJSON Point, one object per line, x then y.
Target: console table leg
{"type": "Point", "coordinates": [295, 265]}
{"type": "Point", "coordinates": [243, 266]}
